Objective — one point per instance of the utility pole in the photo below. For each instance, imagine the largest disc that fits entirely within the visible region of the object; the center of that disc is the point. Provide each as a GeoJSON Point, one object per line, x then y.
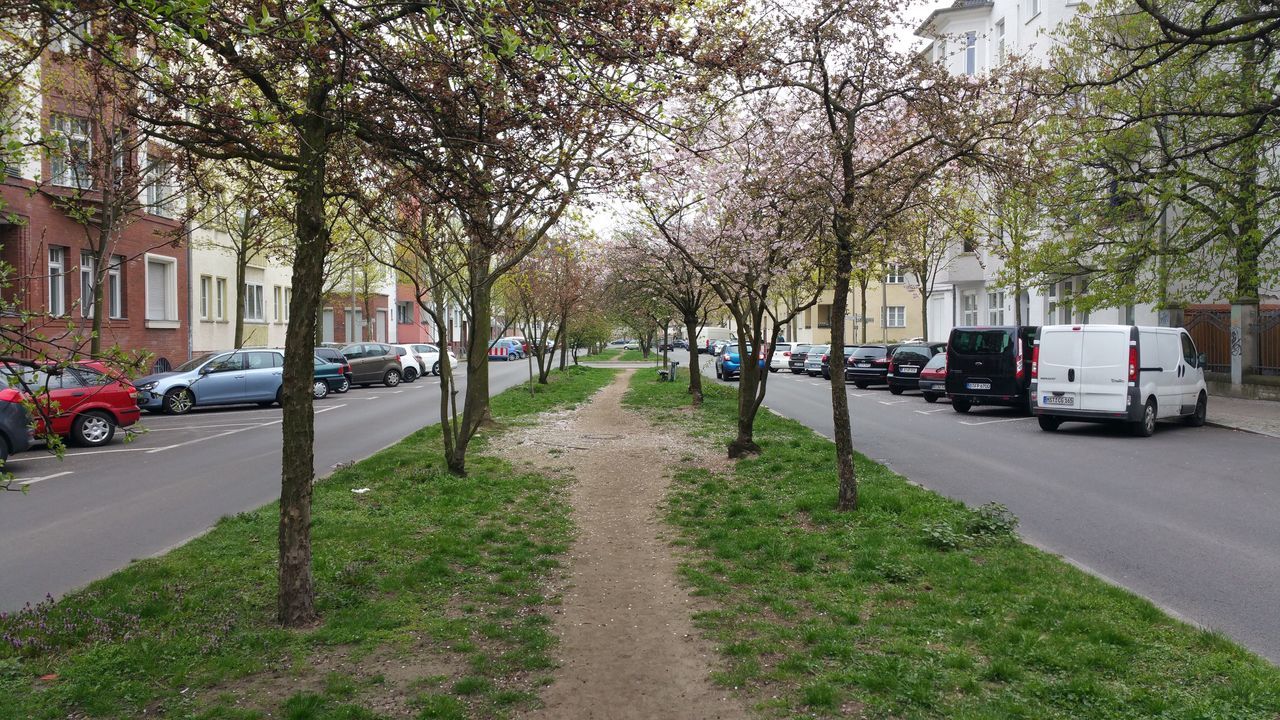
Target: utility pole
{"type": "Point", "coordinates": [351, 327]}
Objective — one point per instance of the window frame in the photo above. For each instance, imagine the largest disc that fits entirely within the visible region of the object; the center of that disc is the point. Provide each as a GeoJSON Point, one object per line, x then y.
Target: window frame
{"type": "Point", "coordinates": [64, 171]}
{"type": "Point", "coordinates": [170, 320]}
{"type": "Point", "coordinates": [895, 316]}
{"type": "Point", "coordinates": [159, 193]}
{"type": "Point", "coordinates": [253, 299]}
{"type": "Point", "coordinates": [57, 280]}
{"type": "Point", "coordinates": [968, 310]}
{"type": "Point", "coordinates": [220, 299]}
{"type": "Point", "coordinates": [971, 53]}
{"type": "Point", "coordinates": [87, 268]}
{"type": "Point", "coordinates": [206, 297]}
{"type": "Point", "coordinates": [895, 275]}
{"type": "Point", "coordinates": [115, 288]}
{"type": "Point", "coordinates": [995, 307]}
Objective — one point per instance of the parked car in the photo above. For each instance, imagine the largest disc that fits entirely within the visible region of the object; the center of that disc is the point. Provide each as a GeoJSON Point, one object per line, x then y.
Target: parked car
{"type": "Point", "coordinates": [869, 365]}
{"type": "Point", "coordinates": [506, 349]}
{"type": "Point", "coordinates": [989, 366]}
{"type": "Point", "coordinates": [933, 378]}
{"type": "Point", "coordinates": [795, 363]}
{"type": "Point", "coordinates": [1133, 374]}
{"type": "Point", "coordinates": [411, 365]}
{"type": "Point", "coordinates": [826, 360]}
{"type": "Point", "coordinates": [15, 424]}
{"type": "Point", "coordinates": [782, 356]}
{"type": "Point", "coordinates": [430, 355]}
{"type": "Point", "coordinates": [334, 355]}
{"type": "Point", "coordinates": [84, 402]}
{"type": "Point", "coordinates": [718, 347]}
{"type": "Point", "coordinates": [219, 378]}
{"type": "Point", "coordinates": [729, 363]}
{"type": "Point", "coordinates": [680, 344]}
{"type": "Point", "coordinates": [373, 363]}
{"type": "Point", "coordinates": [618, 344]}
{"type": "Point", "coordinates": [907, 361]}
{"type": "Point", "coordinates": [814, 358]}
{"type": "Point", "coordinates": [328, 376]}
{"type": "Point", "coordinates": [632, 345]}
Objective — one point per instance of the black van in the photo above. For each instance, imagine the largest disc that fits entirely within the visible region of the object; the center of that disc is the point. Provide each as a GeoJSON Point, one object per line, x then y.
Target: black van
{"type": "Point", "coordinates": [990, 366]}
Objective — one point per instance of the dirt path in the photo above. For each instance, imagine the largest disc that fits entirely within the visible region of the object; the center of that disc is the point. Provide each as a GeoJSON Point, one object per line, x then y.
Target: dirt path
{"type": "Point", "coordinates": [628, 647]}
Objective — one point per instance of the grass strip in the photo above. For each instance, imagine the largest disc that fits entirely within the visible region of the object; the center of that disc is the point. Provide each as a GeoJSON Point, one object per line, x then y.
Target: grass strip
{"type": "Point", "coordinates": [916, 606]}
{"type": "Point", "coordinates": [602, 356]}
{"type": "Point", "coordinates": [430, 589]}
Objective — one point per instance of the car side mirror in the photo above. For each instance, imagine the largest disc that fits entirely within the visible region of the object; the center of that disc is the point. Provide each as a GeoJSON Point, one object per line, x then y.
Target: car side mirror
{"type": "Point", "coordinates": [205, 370]}
{"type": "Point", "coordinates": [1201, 360]}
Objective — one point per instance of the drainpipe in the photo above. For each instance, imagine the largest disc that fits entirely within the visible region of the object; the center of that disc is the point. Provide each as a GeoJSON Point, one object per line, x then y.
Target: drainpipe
{"type": "Point", "coordinates": [190, 313]}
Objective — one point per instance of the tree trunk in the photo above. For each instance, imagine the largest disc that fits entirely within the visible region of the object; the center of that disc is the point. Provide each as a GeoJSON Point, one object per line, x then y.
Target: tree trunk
{"type": "Point", "coordinates": [562, 339]}
{"type": "Point", "coordinates": [749, 382]}
{"type": "Point", "coordinates": [242, 262]}
{"type": "Point", "coordinates": [296, 591]}
{"type": "Point", "coordinates": [848, 492]}
{"type": "Point", "coordinates": [695, 374]}
{"type": "Point", "coordinates": [924, 315]}
{"type": "Point", "coordinates": [99, 273]}
{"type": "Point", "coordinates": [475, 405]}
{"type": "Point", "coordinates": [862, 296]}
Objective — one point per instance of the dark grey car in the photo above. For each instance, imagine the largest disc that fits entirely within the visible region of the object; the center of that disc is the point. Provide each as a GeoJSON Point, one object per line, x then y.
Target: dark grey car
{"type": "Point", "coordinates": [373, 363]}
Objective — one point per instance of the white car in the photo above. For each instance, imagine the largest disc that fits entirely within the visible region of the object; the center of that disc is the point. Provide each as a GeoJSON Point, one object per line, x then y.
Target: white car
{"type": "Point", "coordinates": [411, 364]}
{"type": "Point", "coordinates": [1134, 374]}
{"type": "Point", "coordinates": [782, 356]}
{"type": "Point", "coordinates": [631, 345]}
{"type": "Point", "coordinates": [430, 355]}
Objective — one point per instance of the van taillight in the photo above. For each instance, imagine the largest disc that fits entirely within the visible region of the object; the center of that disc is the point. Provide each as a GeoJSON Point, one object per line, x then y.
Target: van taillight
{"type": "Point", "coordinates": [1133, 363]}
{"type": "Point", "coordinates": [1018, 372]}
{"type": "Point", "coordinates": [1035, 361]}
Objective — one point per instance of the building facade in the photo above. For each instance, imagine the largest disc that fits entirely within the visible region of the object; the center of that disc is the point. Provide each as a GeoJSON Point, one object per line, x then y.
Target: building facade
{"type": "Point", "coordinates": [267, 293]}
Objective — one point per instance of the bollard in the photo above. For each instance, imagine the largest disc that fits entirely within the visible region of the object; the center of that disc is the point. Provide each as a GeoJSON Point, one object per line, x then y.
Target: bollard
{"type": "Point", "coordinates": [671, 376]}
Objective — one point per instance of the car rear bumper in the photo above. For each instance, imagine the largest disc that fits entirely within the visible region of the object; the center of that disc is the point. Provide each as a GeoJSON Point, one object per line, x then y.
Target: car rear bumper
{"type": "Point", "coordinates": [908, 383]}
{"type": "Point", "coordinates": [866, 375]}
{"type": "Point", "coordinates": [932, 386]}
{"type": "Point", "coordinates": [1131, 413]}
{"type": "Point", "coordinates": [128, 416]}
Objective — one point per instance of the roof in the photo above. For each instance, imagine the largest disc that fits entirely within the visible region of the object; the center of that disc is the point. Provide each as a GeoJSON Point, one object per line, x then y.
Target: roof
{"type": "Point", "coordinates": [956, 6]}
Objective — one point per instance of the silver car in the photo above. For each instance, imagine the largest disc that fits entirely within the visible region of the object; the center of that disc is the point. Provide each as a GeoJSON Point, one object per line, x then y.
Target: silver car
{"type": "Point", "coordinates": [813, 361]}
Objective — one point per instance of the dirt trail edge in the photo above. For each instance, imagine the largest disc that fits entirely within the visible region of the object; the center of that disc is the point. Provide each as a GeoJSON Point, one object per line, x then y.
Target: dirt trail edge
{"type": "Point", "coordinates": [628, 648]}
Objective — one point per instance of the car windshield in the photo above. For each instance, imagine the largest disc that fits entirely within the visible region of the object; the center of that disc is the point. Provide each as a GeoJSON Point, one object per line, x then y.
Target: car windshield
{"type": "Point", "coordinates": [870, 352]}
{"type": "Point", "coordinates": [980, 342]}
{"type": "Point", "coordinates": [799, 349]}
{"type": "Point", "coordinates": [194, 363]}
{"type": "Point", "coordinates": [937, 362]}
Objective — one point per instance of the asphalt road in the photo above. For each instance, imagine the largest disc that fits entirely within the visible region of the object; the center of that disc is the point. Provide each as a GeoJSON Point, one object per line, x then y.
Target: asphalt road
{"type": "Point", "coordinates": [96, 510]}
{"type": "Point", "coordinates": [1189, 518]}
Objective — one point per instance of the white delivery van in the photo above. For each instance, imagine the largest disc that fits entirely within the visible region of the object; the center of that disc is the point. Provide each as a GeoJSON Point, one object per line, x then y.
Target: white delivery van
{"type": "Point", "coordinates": [710, 335]}
{"type": "Point", "coordinates": [1117, 372]}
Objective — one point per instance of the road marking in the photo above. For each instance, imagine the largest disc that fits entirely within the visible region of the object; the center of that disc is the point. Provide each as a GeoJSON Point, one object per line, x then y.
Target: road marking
{"type": "Point", "coordinates": [212, 437]}
{"type": "Point", "coordinates": [854, 394]}
{"type": "Point", "coordinates": [35, 480]}
{"type": "Point", "coordinates": [327, 409]}
{"type": "Point", "coordinates": [992, 422]}
{"type": "Point", "coordinates": [930, 412]}
{"type": "Point", "coordinates": [27, 457]}
{"type": "Point", "coordinates": [198, 427]}
{"type": "Point", "coordinates": [395, 392]}
{"type": "Point", "coordinates": [893, 402]}
{"type": "Point", "coordinates": [371, 397]}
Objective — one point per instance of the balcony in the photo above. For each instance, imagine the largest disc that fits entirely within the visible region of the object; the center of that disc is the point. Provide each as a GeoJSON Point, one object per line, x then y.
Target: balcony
{"type": "Point", "coordinates": [963, 268]}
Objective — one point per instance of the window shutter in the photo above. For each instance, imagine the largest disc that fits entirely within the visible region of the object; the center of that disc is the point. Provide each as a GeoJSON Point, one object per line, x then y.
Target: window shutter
{"type": "Point", "coordinates": [157, 291]}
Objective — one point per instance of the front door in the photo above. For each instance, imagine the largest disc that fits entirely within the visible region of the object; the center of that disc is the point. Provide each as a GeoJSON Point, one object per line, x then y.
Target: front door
{"type": "Point", "coordinates": [381, 329]}
{"type": "Point", "coordinates": [224, 381]}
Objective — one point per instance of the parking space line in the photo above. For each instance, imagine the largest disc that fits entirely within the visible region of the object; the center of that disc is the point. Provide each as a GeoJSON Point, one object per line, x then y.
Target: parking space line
{"type": "Point", "coordinates": [930, 412]}
{"type": "Point", "coordinates": [35, 480]}
{"type": "Point", "coordinates": [331, 407]}
{"type": "Point", "coordinates": [212, 437]}
{"type": "Point", "coordinates": [854, 394]}
{"type": "Point", "coordinates": [894, 402]}
{"type": "Point", "coordinates": [27, 457]}
{"type": "Point", "coordinates": [992, 422]}
{"type": "Point", "coordinates": [198, 427]}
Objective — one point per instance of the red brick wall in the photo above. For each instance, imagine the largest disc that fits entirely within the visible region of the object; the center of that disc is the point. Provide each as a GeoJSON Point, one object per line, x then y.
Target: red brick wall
{"type": "Point", "coordinates": [26, 248]}
{"type": "Point", "coordinates": [417, 330]}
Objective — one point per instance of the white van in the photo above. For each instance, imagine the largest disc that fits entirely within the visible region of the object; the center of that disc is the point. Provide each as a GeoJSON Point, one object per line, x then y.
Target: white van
{"type": "Point", "coordinates": [1117, 372]}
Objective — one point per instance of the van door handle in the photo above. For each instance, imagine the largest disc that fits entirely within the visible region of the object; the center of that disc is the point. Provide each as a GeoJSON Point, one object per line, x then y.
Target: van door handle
{"type": "Point", "coordinates": [1071, 375]}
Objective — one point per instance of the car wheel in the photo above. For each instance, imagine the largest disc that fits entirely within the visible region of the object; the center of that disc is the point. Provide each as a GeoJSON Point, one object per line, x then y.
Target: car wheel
{"type": "Point", "coordinates": [179, 402]}
{"type": "Point", "coordinates": [435, 369]}
{"type": "Point", "coordinates": [826, 374]}
{"type": "Point", "coordinates": [895, 390]}
{"type": "Point", "coordinates": [1146, 427]}
{"type": "Point", "coordinates": [718, 375]}
{"type": "Point", "coordinates": [773, 369]}
{"type": "Point", "coordinates": [345, 385]}
{"type": "Point", "coordinates": [1201, 414]}
{"type": "Point", "coordinates": [930, 398]}
{"type": "Point", "coordinates": [319, 388]}
{"type": "Point", "coordinates": [410, 374]}
{"type": "Point", "coordinates": [93, 428]}
{"type": "Point", "coordinates": [392, 378]}
{"type": "Point", "coordinates": [860, 384]}
{"type": "Point", "coordinates": [961, 405]}
{"type": "Point", "coordinates": [1049, 423]}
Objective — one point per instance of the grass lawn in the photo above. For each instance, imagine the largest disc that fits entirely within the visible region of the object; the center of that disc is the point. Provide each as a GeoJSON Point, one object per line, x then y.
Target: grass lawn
{"type": "Point", "coordinates": [603, 355]}
{"type": "Point", "coordinates": [430, 590]}
{"type": "Point", "coordinates": [915, 606]}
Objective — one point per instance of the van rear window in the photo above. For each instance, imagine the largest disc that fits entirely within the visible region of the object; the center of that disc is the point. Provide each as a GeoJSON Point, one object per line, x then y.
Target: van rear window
{"type": "Point", "coordinates": [980, 342]}
{"type": "Point", "coordinates": [870, 352]}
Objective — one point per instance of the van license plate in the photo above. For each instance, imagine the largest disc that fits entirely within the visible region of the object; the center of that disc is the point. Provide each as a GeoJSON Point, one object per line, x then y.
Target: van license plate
{"type": "Point", "coordinates": [1058, 400]}
{"type": "Point", "coordinates": [977, 386]}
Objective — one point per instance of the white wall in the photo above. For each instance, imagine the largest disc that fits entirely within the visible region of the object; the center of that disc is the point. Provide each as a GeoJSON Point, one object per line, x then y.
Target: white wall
{"type": "Point", "coordinates": [212, 257]}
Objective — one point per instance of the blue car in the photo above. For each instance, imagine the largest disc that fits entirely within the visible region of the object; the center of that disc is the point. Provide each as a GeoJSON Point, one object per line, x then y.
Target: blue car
{"type": "Point", "coordinates": [729, 364]}
{"type": "Point", "coordinates": [218, 378]}
{"type": "Point", "coordinates": [504, 349]}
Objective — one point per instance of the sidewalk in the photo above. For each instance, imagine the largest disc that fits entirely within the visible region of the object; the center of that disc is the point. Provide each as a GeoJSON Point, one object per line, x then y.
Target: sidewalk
{"type": "Point", "coordinates": [1255, 416]}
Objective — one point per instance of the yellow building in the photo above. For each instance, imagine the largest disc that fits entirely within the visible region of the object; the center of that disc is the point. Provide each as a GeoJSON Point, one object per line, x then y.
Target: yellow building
{"type": "Point", "coordinates": [892, 313]}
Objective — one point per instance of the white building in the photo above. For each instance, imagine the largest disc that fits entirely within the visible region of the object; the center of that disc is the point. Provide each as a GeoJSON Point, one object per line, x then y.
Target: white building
{"type": "Point", "coordinates": [268, 291]}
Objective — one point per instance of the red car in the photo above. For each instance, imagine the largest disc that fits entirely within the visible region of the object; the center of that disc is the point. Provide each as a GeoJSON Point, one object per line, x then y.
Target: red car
{"type": "Point", "coordinates": [86, 402]}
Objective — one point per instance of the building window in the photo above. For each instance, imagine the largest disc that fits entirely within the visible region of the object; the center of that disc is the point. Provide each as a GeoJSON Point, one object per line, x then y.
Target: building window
{"type": "Point", "coordinates": [942, 51]}
{"type": "Point", "coordinates": [995, 308]}
{"type": "Point", "coordinates": [162, 290]}
{"type": "Point", "coordinates": [969, 304]}
{"type": "Point", "coordinates": [115, 287]}
{"type": "Point", "coordinates": [70, 162]}
{"type": "Point", "coordinates": [57, 281]}
{"type": "Point", "coordinates": [220, 299]}
{"type": "Point", "coordinates": [969, 244]}
{"type": "Point", "coordinates": [404, 312]}
{"type": "Point", "coordinates": [206, 297]}
{"type": "Point", "coordinates": [160, 192]}
{"type": "Point", "coordinates": [971, 53]}
{"type": "Point", "coordinates": [72, 38]}
{"type": "Point", "coordinates": [87, 267]}
{"type": "Point", "coordinates": [277, 300]}
{"type": "Point", "coordinates": [895, 316]}
{"type": "Point", "coordinates": [288, 298]}
{"type": "Point", "coordinates": [895, 275]}
{"type": "Point", "coordinates": [253, 310]}
{"type": "Point", "coordinates": [1000, 51]}
{"type": "Point", "coordinates": [1034, 8]}
{"type": "Point", "coordinates": [1064, 309]}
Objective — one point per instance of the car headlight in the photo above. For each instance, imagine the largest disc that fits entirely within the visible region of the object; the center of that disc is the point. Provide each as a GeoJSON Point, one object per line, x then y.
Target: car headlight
{"type": "Point", "coordinates": [148, 386]}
